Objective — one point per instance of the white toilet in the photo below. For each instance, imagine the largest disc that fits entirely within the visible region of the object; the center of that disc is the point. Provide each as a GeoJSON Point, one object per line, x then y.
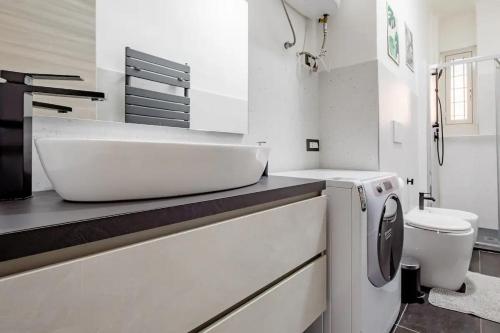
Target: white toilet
{"type": "Point", "coordinates": [442, 244]}
{"type": "Point", "coordinates": [472, 218]}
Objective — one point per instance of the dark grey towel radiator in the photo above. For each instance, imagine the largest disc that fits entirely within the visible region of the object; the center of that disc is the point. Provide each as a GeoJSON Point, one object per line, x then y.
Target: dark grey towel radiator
{"type": "Point", "coordinates": [151, 107]}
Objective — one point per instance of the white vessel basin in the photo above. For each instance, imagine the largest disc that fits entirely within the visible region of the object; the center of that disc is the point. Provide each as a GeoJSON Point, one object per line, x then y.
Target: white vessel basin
{"type": "Point", "coordinates": [109, 170]}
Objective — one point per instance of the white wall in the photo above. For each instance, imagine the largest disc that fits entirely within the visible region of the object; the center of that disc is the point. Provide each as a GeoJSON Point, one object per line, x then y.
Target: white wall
{"type": "Point", "coordinates": [349, 91]}
{"type": "Point", "coordinates": [454, 31]}
{"type": "Point", "coordinates": [488, 43]}
{"type": "Point", "coordinates": [457, 31]}
{"type": "Point", "coordinates": [365, 92]}
{"type": "Point", "coordinates": [352, 34]}
{"type": "Point", "coordinates": [283, 96]}
{"type": "Point", "coordinates": [283, 101]}
{"type": "Point", "coordinates": [404, 95]}
{"type": "Point", "coordinates": [349, 118]}
{"type": "Point", "coordinates": [472, 159]}
{"type": "Point", "coordinates": [488, 25]}
{"type": "Point", "coordinates": [468, 180]}
{"type": "Point", "coordinates": [211, 36]}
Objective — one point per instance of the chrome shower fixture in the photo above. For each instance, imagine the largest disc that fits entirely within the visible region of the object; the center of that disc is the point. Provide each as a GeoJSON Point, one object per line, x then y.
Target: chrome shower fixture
{"type": "Point", "coordinates": [311, 60]}
{"type": "Point", "coordinates": [438, 126]}
{"type": "Point", "coordinates": [289, 44]}
{"type": "Point", "coordinates": [324, 21]}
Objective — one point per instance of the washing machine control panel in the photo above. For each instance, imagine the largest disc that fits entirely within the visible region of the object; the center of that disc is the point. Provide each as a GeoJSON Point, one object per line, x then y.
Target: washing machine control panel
{"type": "Point", "coordinates": [385, 186]}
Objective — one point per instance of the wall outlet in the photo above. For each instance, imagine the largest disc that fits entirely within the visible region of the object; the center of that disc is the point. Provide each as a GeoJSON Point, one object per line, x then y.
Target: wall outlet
{"type": "Point", "coordinates": [312, 145]}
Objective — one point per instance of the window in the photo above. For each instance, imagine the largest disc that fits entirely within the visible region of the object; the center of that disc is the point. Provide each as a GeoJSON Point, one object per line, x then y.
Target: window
{"type": "Point", "coordinates": [459, 89]}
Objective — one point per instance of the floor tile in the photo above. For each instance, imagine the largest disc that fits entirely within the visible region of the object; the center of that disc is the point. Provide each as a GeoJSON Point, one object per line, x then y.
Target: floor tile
{"type": "Point", "coordinates": [426, 318]}
{"type": "Point", "coordinates": [488, 239]}
{"type": "Point", "coordinates": [474, 262]}
{"type": "Point", "coordinates": [400, 329]}
{"type": "Point", "coordinates": [490, 263]}
{"type": "Point", "coordinates": [402, 309]}
{"type": "Point", "coordinates": [489, 326]}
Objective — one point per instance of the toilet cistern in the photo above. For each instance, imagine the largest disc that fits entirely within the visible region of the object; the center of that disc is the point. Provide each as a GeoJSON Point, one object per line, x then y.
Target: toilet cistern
{"type": "Point", "coordinates": [422, 197]}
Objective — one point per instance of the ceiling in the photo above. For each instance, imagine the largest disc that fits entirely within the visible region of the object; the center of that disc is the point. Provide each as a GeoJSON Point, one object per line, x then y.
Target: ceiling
{"type": "Point", "coordinates": [448, 7]}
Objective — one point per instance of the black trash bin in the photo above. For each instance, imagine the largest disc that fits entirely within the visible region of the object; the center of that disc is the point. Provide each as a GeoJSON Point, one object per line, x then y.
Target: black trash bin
{"type": "Point", "coordinates": [411, 291]}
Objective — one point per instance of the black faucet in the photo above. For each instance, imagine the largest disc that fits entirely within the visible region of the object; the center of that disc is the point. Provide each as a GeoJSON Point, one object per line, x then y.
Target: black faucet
{"type": "Point", "coordinates": [422, 197]}
{"type": "Point", "coordinates": [16, 112]}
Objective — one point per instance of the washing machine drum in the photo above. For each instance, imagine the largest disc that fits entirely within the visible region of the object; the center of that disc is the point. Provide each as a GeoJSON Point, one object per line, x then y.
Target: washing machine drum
{"type": "Point", "coordinates": [389, 242]}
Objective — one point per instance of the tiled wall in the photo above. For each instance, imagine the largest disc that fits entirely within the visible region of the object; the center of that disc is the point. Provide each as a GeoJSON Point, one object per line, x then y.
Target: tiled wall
{"type": "Point", "coordinates": [404, 95]}
{"type": "Point", "coordinates": [283, 96]}
{"type": "Point", "coordinates": [51, 36]}
{"type": "Point", "coordinates": [349, 91]}
{"type": "Point", "coordinates": [350, 117]}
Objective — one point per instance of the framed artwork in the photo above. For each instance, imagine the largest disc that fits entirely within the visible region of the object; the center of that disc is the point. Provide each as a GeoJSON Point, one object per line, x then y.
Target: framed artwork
{"type": "Point", "coordinates": [392, 35]}
{"type": "Point", "coordinates": [409, 49]}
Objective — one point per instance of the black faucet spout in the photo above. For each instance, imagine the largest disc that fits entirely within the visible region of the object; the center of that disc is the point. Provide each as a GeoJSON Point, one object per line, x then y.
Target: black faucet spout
{"type": "Point", "coordinates": [421, 199]}
{"type": "Point", "coordinates": [16, 113]}
{"type": "Point", "coordinates": [62, 92]}
{"type": "Point", "coordinates": [50, 106]}
{"type": "Point", "coordinates": [27, 78]}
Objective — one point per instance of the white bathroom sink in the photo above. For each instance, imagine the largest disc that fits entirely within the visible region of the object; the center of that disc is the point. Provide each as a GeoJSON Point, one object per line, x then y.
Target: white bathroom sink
{"type": "Point", "coordinates": [109, 170]}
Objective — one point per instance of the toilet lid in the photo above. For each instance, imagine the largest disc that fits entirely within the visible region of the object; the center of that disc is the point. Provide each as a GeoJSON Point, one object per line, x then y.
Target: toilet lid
{"type": "Point", "coordinates": [469, 217]}
{"type": "Point", "coordinates": [436, 222]}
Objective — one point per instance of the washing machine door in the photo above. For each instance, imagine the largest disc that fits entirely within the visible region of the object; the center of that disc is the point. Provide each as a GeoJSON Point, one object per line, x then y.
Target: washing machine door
{"type": "Point", "coordinates": [390, 238]}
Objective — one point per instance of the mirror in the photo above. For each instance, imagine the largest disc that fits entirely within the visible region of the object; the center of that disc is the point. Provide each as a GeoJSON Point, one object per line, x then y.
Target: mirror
{"type": "Point", "coordinates": [89, 38]}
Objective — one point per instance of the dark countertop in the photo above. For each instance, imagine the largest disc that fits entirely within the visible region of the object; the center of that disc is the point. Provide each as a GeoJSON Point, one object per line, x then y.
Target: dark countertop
{"type": "Point", "coordinates": [45, 222]}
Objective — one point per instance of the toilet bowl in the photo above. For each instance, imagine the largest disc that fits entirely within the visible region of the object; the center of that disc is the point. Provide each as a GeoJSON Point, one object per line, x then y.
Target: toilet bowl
{"type": "Point", "coordinates": [472, 218]}
{"type": "Point", "coordinates": [443, 246]}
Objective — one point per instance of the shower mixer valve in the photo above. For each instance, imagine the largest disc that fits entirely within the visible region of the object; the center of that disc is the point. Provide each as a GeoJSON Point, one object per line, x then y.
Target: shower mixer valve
{"type": "Point", "coordinates": [435, 126]}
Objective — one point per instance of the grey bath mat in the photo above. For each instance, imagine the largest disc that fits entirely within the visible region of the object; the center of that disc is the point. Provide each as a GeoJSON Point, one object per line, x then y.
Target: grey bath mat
{"type": "Point", "coordinates": [481, 298]}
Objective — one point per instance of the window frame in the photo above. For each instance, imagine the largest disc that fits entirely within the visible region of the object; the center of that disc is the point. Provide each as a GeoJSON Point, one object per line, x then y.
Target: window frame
{"type": "Point", "coordinates": [467, 126]}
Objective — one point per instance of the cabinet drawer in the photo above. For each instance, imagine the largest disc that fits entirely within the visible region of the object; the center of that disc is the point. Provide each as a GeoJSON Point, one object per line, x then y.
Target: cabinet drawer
{"type": "Point", "coordinates": [289, 307]}
{"type": "Point", "coordinates": [170, 284]}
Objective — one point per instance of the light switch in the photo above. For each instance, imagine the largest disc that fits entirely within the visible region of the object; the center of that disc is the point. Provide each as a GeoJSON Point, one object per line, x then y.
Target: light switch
{"type": "Point", "coordinates": [397, 132]}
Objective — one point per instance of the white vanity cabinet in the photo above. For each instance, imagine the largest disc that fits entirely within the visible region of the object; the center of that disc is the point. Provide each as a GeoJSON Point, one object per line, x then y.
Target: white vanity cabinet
{"type": "Point", "coordinates": [290, 306]}
{"type": "Point", "coordinates": [262, 272]}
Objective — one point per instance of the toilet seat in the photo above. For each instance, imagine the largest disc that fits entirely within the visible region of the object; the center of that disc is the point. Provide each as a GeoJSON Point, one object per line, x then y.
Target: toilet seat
{"type": "Point", "coordinates": [472, 218]}
{"type": "Point", "coordinates": [437, 223]}
{"type": "Point", "coordinates": [461, 214]}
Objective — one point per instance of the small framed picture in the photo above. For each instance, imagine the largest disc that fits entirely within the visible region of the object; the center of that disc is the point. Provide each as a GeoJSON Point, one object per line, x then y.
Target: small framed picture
{"type": "Point", "coordinates": [410, 62]}
{"type": "Point", "coordinates": [392, 35]}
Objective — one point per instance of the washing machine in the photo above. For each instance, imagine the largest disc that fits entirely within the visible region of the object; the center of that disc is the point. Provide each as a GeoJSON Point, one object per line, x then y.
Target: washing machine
{"type": "Point", "coordinates": [365, 245]}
